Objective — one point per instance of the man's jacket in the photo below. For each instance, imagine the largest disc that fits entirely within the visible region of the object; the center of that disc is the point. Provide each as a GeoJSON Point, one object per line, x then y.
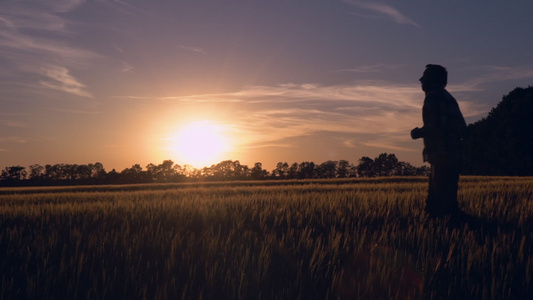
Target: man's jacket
{"type": "Point", "coordinates": [444, 128]}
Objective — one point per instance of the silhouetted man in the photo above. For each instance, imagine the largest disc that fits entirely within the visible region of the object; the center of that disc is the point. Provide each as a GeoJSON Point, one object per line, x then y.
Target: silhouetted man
{"type": "Point", "coordinates": [443, 131]}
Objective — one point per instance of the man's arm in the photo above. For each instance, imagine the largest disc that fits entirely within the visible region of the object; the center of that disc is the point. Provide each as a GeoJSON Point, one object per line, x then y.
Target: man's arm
{"type": "Point", "coordinates": [417, 133]}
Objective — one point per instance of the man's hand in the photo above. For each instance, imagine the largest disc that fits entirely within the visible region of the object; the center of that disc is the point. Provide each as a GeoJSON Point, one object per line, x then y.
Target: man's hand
{"type": "Point", "coordinates": [416, 133]}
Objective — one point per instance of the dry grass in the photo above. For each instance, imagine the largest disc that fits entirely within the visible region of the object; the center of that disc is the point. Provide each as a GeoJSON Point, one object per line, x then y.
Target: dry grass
{"type": "Point", "coordinates": [322, 239]}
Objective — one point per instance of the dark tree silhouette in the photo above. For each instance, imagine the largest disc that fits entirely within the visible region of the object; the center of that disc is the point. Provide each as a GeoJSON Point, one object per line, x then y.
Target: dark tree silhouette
{"type": "Point", "coordinates": [306, 170]}
{"type": "Point", "coordinates": [13, 174]}
{"type": "Point", "coordinates": [502, 143]}
{"type": "Point", "coordinates": [97, 170]}
{"type": "Point", "coordinates": [135, 174]}
{"type": "Point", "coordinates": [405, 169]}
{"type": "Point", "coordinates": [327, 169]}
{"type": "Point", "coordinates": [385, 164]}
{"type": "Point", "coordinates": [224, 169]}
{"type": "Point", "coordinates": [36, 172]}
{"type": "Point", "coordinates": [345, 169]}
{"type": "Point", "coordinates": [293, 171]}
{"type": "Point", "coordinates": [257, 171]}
{"type": "Point", "coordinates": [366, 167]}
{"type": "Point", "coordinates": [242, 171]}
{"type": "Point", "coordinates": [281, 171]}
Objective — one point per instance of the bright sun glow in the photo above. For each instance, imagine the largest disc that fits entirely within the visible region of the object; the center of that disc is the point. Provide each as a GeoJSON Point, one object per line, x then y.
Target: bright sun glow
{"type": "Point", "coordinates": [201, 143]}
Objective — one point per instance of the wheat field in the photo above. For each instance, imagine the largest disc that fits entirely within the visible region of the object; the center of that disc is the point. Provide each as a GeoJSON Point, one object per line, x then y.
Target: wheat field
{"type": "Point", "coordinates": [298, 239]}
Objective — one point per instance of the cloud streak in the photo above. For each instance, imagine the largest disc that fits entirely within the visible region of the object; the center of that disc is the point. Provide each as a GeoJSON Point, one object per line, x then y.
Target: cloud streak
{"type": "Point", "coordinates": [193, 49]}
{"type": "Point", "coordinates": [382, 11]}
{"type": "Point", "coordinates": [63, 81]}
{"type": "Point", "coordinates": [13, 140]}
{"type": "Point", "coordinates": [496, 74]}
{"type": "Point", "coordinates": [371, 69]}
{"type": "Point", "coordinates": [65, 5]}
{"type": "Point", "coordinates": [14, 123]}
{"type": "Point", "coordinates": [32, 40]}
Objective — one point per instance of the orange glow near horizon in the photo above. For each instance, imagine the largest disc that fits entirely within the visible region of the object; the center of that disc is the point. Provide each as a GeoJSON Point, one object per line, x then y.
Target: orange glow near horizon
{"type": "Point", "coordinates": [200, 143]}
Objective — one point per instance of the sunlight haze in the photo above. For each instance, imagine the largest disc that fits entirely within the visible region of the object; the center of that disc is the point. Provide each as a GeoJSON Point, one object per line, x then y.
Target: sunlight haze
{"type": "Point", "coordinates": [199, 144]}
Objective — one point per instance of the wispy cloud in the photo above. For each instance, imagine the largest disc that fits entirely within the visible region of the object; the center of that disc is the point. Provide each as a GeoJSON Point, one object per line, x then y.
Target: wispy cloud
{"type": "Point", "coordinates": [490, 74]}
{"type": "Point", "coordinates": [126, 67]}
{"type": "Point", "coordinates": [371, 69]}
{"type": "Point", "coordinates": [64, 5]}
{"type": "Point", "coordinates": [193, 49]}
{"type": "Point", "coordinates": [14, 123]}
{"type": "Point", "coordinates": [33, 39]}
{"type": "Point", "coordinates": [381, 11]}
{"type": "Point", "coordinates": [124, 7]}
{"type": "Point", "coordinates": [63, 81]}
{"type": "Point", "coordinates": [13, 140]}
{"type": "Point", "coordinates": [388, 146]}
{"type": "Point", "coordinates": [76, 111]}
{"type": "Point", "coordinates": [17, 18]}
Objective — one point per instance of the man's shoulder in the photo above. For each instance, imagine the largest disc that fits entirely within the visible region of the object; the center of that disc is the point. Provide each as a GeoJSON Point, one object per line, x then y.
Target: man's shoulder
{"type": "Point", "coordinates": [432, 97]}
{"type": "Point", "coordinates": [437, 92]}
{"type": "Point", "coordinates": [438, 95]}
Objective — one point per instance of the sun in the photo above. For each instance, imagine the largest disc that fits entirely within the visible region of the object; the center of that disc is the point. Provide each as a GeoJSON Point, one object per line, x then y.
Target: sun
{"type": "Point", "coordinates": [200, 143]}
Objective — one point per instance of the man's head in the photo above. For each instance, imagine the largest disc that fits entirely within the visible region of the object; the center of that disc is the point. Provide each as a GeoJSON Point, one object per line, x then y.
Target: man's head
{"type": "Point", "coordinates": [435, 76]}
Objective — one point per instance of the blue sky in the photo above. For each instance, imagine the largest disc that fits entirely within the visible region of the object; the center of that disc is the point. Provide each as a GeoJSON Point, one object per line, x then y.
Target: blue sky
{"type": "Point", "coordinates": [284, 81]}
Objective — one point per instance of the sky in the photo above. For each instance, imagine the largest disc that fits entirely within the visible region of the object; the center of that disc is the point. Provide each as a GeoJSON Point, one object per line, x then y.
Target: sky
{"type": "Point", "coordinates": [132, 82]}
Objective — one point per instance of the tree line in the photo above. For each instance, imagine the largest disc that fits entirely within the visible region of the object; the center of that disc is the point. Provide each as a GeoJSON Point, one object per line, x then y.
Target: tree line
{"type": "Point", "coordinates": [72, 174]}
